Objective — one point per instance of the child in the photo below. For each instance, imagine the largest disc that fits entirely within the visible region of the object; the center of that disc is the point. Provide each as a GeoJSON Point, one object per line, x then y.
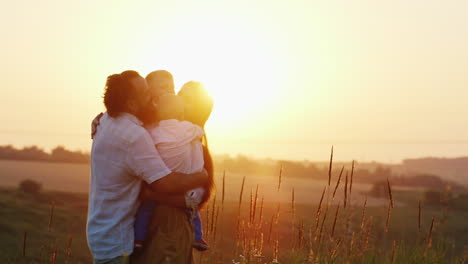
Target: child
{"type": "Point", "coordinates": [180, 146]}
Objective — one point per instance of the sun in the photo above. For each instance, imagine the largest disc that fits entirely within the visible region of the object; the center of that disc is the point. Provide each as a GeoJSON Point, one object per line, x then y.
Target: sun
{"type": "Point", "coordinates": [236, 64]}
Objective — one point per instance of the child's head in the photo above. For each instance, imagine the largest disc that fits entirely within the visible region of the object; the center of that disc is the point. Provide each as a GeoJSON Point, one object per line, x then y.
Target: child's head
{"type": "Point", "coordinates": [160, 82]}
{"type": "Point", "coordinates": [198, 103]}
{"type": "Point", "coordinates": [170, 107]}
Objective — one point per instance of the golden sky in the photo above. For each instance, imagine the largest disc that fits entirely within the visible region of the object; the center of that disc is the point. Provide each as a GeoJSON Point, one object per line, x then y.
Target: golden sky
{"type": "Point", "coordinates": [381, 80]}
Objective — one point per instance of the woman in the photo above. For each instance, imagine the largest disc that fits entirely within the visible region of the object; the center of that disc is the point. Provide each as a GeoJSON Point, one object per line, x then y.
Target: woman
{"type": "Point", "coordinates": [170, 235]}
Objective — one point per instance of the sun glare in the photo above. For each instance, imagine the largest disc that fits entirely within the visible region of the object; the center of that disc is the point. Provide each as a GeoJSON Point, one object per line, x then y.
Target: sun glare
{"type": "Point", "coordinates": [237, 66]}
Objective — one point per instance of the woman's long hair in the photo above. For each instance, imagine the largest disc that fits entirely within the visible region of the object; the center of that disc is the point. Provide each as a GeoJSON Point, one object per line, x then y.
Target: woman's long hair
{"type": "Point", "coordinates": [209, 187]}
{"type": "Point", "coordinates": [201, 105]}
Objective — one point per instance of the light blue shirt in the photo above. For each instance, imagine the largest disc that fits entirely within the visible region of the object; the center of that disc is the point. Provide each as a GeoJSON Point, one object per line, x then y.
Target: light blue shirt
{"type": "Point", "coordinates": [122, 155]}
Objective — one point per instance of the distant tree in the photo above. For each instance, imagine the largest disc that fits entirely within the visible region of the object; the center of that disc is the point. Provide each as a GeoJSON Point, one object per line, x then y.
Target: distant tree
{"type": "Point", "coordinates": [382, 172]}
{"type": "Point", "coordinates": [60, 154]}
{"type": "Point", "coordinates": [30, 186]}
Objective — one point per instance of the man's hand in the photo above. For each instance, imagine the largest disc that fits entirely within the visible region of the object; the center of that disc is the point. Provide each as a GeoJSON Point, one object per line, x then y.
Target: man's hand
{"type": "Point", "coordinates": [179, 183]}
{"type": "Point", "coordinates": [95, 124]}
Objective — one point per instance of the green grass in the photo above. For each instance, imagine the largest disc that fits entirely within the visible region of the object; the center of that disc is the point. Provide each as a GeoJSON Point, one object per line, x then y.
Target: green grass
{"type": "Point", "coordinates": [31, 213]}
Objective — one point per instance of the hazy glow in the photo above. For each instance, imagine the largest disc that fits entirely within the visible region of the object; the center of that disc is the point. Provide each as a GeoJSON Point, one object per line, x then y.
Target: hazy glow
{"type": "Point", "coordinates": [289, 78]}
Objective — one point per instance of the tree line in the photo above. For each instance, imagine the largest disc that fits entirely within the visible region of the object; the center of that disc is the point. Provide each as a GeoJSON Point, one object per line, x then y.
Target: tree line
{"type": "Point", "coordinates": [58, 154]}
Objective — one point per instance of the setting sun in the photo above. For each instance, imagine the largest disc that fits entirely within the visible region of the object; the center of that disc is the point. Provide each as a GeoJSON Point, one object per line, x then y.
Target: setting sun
{"type": "Point", "coordinates": [240, 68]}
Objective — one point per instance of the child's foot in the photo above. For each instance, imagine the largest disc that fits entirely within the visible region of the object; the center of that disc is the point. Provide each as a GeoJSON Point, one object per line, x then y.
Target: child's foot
{"type": "Point", "coordinates": [200, 245]}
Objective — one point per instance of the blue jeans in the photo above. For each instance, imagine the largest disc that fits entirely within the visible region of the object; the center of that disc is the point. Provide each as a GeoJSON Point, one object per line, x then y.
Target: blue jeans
{"type": "Point", "coordinates": [143, 218]}
{"type": "Point", "coordinates": [197, 226]}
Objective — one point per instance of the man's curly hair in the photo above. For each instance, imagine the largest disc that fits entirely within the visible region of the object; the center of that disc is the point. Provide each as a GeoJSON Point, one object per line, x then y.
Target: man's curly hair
{"type": "Point", "coordinates": [118, 91]}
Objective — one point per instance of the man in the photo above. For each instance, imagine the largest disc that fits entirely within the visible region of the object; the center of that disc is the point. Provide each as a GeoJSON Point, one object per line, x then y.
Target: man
{"type": "Point", "coordinates": [122, 156]}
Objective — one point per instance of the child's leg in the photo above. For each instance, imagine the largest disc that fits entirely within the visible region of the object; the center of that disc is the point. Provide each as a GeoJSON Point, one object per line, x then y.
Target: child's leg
{"type": "Point", "coordinates": [143, 218]}
{"type": "Point", "coordinates": [197, 226]}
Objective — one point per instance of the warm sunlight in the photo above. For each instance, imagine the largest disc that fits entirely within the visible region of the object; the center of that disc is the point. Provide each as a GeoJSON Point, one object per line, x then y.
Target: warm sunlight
{"type": "Point", "coordinates": [335, 131]}
{"type": "Point", "coordinates": [239, 67]}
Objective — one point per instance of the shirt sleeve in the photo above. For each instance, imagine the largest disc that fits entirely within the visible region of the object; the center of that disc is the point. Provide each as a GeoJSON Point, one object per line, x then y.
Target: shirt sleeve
{"type": "Point", "coordinates": [145, 160]}
{"type": "Point", "coordinates": [193, 130]}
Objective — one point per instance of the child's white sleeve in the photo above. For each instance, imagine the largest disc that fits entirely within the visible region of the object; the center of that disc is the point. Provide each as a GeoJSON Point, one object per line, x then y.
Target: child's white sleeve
{"type": "Point", "coordinates": [193, 130]}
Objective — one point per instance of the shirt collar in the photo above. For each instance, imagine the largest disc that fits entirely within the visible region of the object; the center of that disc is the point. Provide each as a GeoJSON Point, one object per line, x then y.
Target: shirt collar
{"type": "Point", "coordinates": [132, 118]}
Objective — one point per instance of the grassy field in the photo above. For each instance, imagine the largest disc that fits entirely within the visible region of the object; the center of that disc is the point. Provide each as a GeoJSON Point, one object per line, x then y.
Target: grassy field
{"type": "Point", "coordinates": [289, 225]}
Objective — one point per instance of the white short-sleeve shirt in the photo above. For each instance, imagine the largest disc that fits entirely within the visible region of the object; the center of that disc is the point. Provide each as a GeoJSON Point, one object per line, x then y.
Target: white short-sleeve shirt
{"type": "Point", "coordinates": [179, 144]}
{"type": "Point", "coordinates": [122, 155]}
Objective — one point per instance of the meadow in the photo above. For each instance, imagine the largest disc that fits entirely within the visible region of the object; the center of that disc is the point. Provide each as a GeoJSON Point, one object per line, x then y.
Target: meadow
{"type": "Point", "coordinates": [251, 219]}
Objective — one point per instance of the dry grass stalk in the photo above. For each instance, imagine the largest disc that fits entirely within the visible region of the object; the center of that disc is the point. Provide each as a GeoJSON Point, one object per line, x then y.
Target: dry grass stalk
{"type": "Point", "coordinates": [293, 210]}
{"type": "Point", "coordinates": [222, 203]}
{"type": "Point", "coordinates": [271, 228]}
{"type": "Point", "coordinates": [277, 213]}
{"type": "Point", "coordinates": [319, 209]}
{"type": "Point", "coordinates": [389, 212]}
{"type": "Point", "coordinates": [240, 204]}
{"type": "Point", "coordinates": [363, 213]}
{"type": "Point", "coordinates": [255, 204]}
{"type": "Point", "coordinates": [275, 251]}
{"type": "Point", "coordinates": [53, 255]}
{"type": "Point", "coordinates": [351, 182]}
{"type": "Point", "coordinates": [279, 178]}
{"type": "Point", "coordinates": [293, 204]}
{"type": "Point", "coordinates": [335, 250]}
{"type": "Point", "coordinates": [394, 251]}
{"type": "Point", "coordinates": [323, 222]}
{"type": "Point", "coordinates": [338, 182]}
{"type": "Point", "coordinates": [429, 237]}
{"type": "Point", "coordinates": [251, 207]}
{"type": "Point", "coordinates": [243, 238]}
{"type": "Point", "coordinates": [241, 193]}
{"type": "Point", "coordinates": [369, 228]}
{"type": "Point", "coordinates": [260, 245]}
{"type": "Point", "coordinates": [330, 167]}
{"type": "Point", "coordinates": [346, 191]}
{"type": "Point", "coordinates": [300, 235]}
{"type": "Point", "coordinates": [390, 193]}
{"type": "Point", "coordinates": [351, 244]}
{"type": "Point", "coordinates": [213, 210]}
{"type": "Point", "coordinates": [334, 221]}
{"type": "Point", "coordinates": [223, 191]}
{"type": "Point", "coordinates": [352, 174]}
{"type": "Point", "coordinates": [51, 216]}
{"type": "Point", "coordinates": [311, 256]}
{"type": "Point", "coordinates": [261, 210]}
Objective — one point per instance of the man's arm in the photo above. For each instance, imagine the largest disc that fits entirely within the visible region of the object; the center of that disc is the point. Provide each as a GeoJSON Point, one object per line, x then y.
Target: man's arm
{"type": "Point", "coordinates": [146, 162]}
{"type": "Point", "coordinates": [176, 200]}
{"type": "Point", "coordinates": [179, 182]}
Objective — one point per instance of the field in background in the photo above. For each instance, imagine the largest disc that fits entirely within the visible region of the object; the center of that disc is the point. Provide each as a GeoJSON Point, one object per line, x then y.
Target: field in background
{"type": "Point", "coordinates": [53, 176]}
{"type": "Point", "coordinates": [258, 232]}
{"type": "Point", "coordinates": [75, 178]}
